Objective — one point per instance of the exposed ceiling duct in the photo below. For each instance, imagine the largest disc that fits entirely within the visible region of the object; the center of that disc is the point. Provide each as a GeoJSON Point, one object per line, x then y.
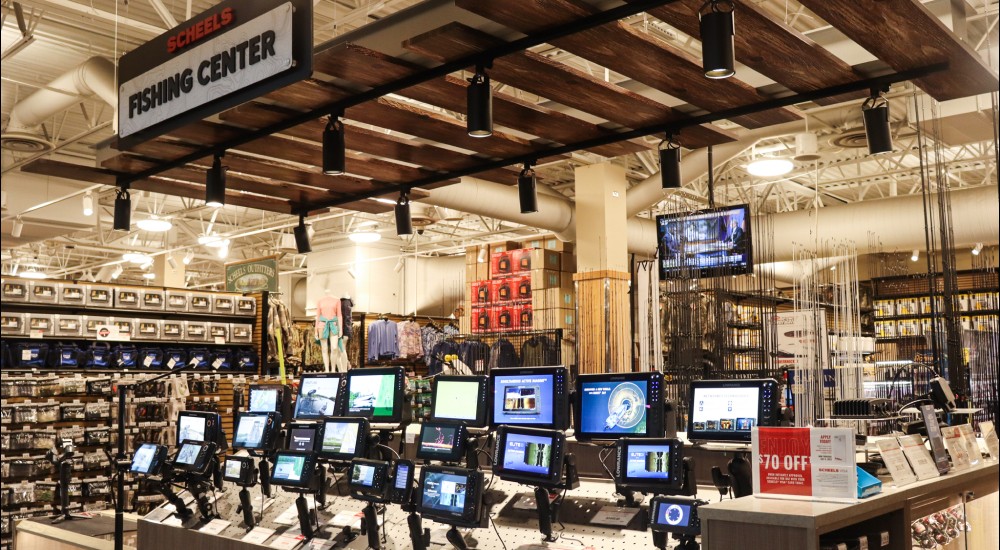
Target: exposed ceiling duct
{"type": "Point", "coordinates": [95, 76]}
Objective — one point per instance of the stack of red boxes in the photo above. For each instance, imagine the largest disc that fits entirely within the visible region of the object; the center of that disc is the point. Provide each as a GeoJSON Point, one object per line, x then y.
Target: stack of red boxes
{"type": "Point", "coordinates": [503, 303]}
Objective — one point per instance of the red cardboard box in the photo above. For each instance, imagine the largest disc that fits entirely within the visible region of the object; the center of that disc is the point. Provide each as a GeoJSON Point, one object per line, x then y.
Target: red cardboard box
{"type": "Point", "coordinates": [507, 318]}
{"type": "Point", "coordinates": [504, 290]}
{"type": "Point", "coordinates": [481, 293]}
{"type": "Point", "coordinates": [501, 264]}
{"type": "Point", "coordinates": [525, 317]}
{"type": "Point", "coordinates": [522, 290]}
{"type": "Point", "coordinates": [483, 319]}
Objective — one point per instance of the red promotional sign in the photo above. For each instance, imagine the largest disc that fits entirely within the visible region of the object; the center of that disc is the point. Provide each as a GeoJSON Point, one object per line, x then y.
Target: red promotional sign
{"type": "Point", "coordinates": [783, 466]}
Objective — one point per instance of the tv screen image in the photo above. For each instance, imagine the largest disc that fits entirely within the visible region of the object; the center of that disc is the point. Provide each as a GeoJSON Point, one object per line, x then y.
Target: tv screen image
{"type": "Point", "coordinates": [708, 242]}
{"type": "Point", "coordinates": [523, 399]}
{"type": "Point", "coordinates": [614, 407]}
{"type": "Point", "coordinates": [250, 430]}
{"type": "Point", "coordinates": [457, 399]}
{"type": "Point", "coordinates": [673, 514]}
{"type": "Point", "coordinates": [263, 400]}
{"type": "Point", "coordinates": [188, 454]}
{"type": "Point", "coordinates": [438, 439]}
{"type": "Point", "coordinates": [445, 492]}
{"type": "Point", "coordinates": [302, 439]}
{"type": "Point", "coordinates": [528, 453]}
{"type": "Point", "coordinates": [143, 458]}
{"type": "Point", "coordinates": [724, 409]}
{"type": "Point", "coordinates": [317, 397]}
{"type": "Point", "coordinates": [648, 462]}
{"type": "Point", "coordinates": [340, 437]}
{"type": "Point", "coordinates": [233, 468]}
{"type": "Point", "coordinates": [288, 467]}
{"type": "Point", "coordinates": [402, 476]}
{"type": "Point", "coordinates": [191, 428]}
{"type": "Point", "coordinates": [363, 474]}
{"type": "Point", "coordinates": [374, 393]}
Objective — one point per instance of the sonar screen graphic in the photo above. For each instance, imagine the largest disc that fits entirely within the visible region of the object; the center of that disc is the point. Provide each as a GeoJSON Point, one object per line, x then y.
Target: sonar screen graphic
{"type": "Point", "coordinates": [626, 407]}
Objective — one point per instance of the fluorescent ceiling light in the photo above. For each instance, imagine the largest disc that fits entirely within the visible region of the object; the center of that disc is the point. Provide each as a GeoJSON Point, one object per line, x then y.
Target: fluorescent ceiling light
{"type": "Point", "coordinates": [364, 236]}
{"type": "Point", "coordinates": [137, 258]}
{"type": "Point", "coordinates": [33, 273]}
{"type": "Point", "coordinates": [769, 168]}
{"type": "Point", "coordinates": [155, 224]}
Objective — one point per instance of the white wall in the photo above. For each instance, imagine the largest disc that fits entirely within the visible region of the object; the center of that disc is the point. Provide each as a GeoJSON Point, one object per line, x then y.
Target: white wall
{"type": "Point", "coordinates": [434, 286]}
{"type": "Point", "coordinates": [376, 287]}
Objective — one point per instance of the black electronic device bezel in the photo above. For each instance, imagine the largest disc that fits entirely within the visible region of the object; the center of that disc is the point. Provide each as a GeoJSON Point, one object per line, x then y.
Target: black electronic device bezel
{"type": "Point", "coordinates": [675, 465]}
{"type": "Point", "coordinates": [560, 398]}
{"type": "Point", "coordinates": [708, 271]}
{"type": "Point", "coordinates": [315, 427]}
{"type": "Point", "coordinates": [360, 445]}
{"type": "Point", "coordinates": [654, 409]}
{"type": "Point", "coordinates": [457, 452]}
{"type": "Point", "coordinates": [380, 480]}
{"type": "Point", "coordinates": [768, 408]}
{"type": "Point", "coordinates": [248, 470]}
{"type": "Point", "coordinates": [155, 465]}
{"type": "Point", "coordinates": [397, 400]}
{"type": "Point", "coordinates": [558, 456]}
{"type": "Point", "coordinates": [201, 462]}
{"type": "Point", "coordinates": [268, 440]}
{"type": "Point", "coordinates": [396, 495]}
{"type": "Point", "coordinates": [471, 514]}
{"type": "Point", "coordinates": [213, 427]}
{"type": "Point", "coordinates": [338, 400]}
{"type": "Point", "coordinates": [308, 469]}
{"type": "Point", "coordinates": [694, 522]}
{"type": "Point", "coordinates": [482, 400]}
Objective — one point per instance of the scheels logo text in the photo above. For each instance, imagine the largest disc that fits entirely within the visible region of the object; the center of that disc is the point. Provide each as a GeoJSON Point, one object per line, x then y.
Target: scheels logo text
{"type": "Point", "coordinates": [200, 30]}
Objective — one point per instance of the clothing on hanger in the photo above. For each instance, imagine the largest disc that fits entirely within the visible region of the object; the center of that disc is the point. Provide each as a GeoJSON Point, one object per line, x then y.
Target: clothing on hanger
{"type": "Point", "coordinates": [430, 335]}
{"type": "Point", "coordinates": [435, 364]}
{"type": "Point", "coordinates": [475, 354]}
{"type": "Point", "coordinates": [346, 307]}
{"type": "Point", "coordinates": [383, 340]}
{"type": "Point", "coordinates": [539, 351]}
{"type": "Point", "coordinates": [410, 344]}
{"type": "Point", "coordinates": [503, 355]}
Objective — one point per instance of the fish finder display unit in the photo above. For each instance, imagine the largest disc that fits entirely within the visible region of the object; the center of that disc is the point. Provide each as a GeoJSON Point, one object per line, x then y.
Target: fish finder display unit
{"type": "Point", "coordinates": [535, 397]}
{"type": "Point", "coordinates": [728, 410]}
{"type": "Point", "coordinates": [609, 406]}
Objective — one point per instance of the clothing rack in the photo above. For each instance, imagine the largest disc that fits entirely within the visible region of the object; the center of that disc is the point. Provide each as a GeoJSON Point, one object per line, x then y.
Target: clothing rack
{"type": "Point", "coordinates": [367, 317]}
{"type": "Point", "coordinates": [516, 338]}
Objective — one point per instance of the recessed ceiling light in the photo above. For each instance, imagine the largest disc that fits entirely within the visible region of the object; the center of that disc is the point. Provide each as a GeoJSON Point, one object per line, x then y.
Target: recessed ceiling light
{"type": "Point", "coordinates": [364, 236]}
{"type": "Point", "coordinates": [33, 273]}
{"type": "Point", "coordinates": [769, 168]}
{"type": "Point", "coordinates": [137, 258]}
{"type": "Point", "coordinates": [155, 224]}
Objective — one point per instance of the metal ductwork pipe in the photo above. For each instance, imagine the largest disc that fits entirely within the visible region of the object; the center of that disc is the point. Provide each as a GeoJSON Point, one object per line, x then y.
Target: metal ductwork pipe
{"type": "Point", "coordinates": [95, 76]}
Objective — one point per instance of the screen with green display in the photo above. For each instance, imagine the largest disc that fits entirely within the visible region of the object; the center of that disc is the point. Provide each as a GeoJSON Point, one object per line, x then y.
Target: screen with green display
{"type": "Point", "coordinates": [456, 400]}
{"type": "Point", "coordinates": [372, 392]}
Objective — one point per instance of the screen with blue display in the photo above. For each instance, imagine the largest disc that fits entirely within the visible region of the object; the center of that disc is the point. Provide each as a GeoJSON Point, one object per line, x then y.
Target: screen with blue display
{"type": "Point", "coordinates": [402, 476]}
{"type": "Point", "coordinates": [614, 407]}
{"type": "Point", "coordinates": [648, 461]}
{"type": "Point", "coordinates": [528, 453]}
{"type": "Point", "coordinates": [524, 399]}
{"type": "Point", "coordinates": [445, 492]}
{"type": "Point", "coordinates": [672, 514]}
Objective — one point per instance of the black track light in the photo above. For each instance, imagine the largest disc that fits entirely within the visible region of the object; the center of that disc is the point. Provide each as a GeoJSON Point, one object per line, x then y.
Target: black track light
{"type": "Point", "coordinates": [526, 184]}
{"type": "Point", "coordinates": [479, 105]}
{"type": "Point", "coordinates": [215, 183]}
{"type": "Point", "coordinates": [875, 111]}
{"type": "Point", "coordinates": [334, 149]}
{"type": "Point", "coordinates": [404, 225]}
{"type": "Point", "coordinates": [670, 163]}
{"type": "Point", "coordinates": [302, 237]}
{"type": "Point", "coordinates": [123, 210]}
{"type": "Point", "coordinates": [717, 28]}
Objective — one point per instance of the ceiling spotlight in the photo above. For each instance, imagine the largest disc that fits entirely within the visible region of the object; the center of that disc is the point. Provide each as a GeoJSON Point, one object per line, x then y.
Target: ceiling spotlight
{"type": "Point", "coordinates": [875, 111]}
{"type": "Point", "coordinates": [334, 149]}
{"type": "Point", "coordinates": [118, 271]}
{"type": "Point", "coordinates": [33, 273]}
{"type": "Point", "coordinates": [123, 210]}
{"type": "Point", "coordinates": [302, 237]}
{"type": "Point", "coordinates": [806, 147]}
{"type": "Point", "coordinates": [137, 258]}
{"type": "Point", "coordinates": [149, 275]}
{"type": "Point", "coordinates": [398, 267]}
{"type": "Point", "coordinates": [977, 249]}
{"type": "Point", "coordinates": [670, 163]}
{"type": "Point", "coordinates": [15, 230]}
{"type": "Point", "coordinates": [915, 256]}
{"type": "Point", "coordinates": [154, 224]}
{"type": "Point", "coordinates": [526, 184]}
{"type": "Point", "coordinates": [172, 262]}
{"type": "Point", "coordinates": [481, 258]}
{"type": "Point", "coordinates": [88, 204]}
{"type": "Point", "coordinates": [404, 223]}
{"type": "Point", "coordinates": [215, 183]}
{"type": "Point", "coordinates": [310, 230]}
{"type": "Point", "coordinates": [479, 104]}
{"type": "Point", "coordinates": [717, 28]}
{"type": "Point", "coordinates": [188, 257]}
{"type": "Point", "coordinates": [770, 167]}
{"type": "Point", "coordinates": [362, 237]}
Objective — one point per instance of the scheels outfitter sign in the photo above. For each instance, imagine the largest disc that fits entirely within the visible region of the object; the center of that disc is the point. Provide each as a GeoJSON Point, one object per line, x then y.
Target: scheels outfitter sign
{"type": "Point", "coordinates": [228, 55]}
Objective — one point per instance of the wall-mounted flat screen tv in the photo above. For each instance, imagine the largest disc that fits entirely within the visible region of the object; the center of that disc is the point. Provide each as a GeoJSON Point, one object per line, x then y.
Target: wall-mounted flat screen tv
{"type": "Point", "coordinates": [706, 243]}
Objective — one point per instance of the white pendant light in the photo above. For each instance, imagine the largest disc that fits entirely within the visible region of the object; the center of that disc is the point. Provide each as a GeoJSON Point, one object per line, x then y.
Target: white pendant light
{"type": "Point", "coordinates": [770, 167]}
{"type": "Point", "coordinates": [155, 224]}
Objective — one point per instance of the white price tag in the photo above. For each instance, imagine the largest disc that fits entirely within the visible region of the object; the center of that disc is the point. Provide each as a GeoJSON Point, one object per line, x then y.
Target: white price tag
{"type": "Point", "coordinates": [217, 363]}
{"type": "Point", "coordinates": [25, 355]}
{"type": "Point", "coordinates": [158, 515]}
{"type": "Point", "coordinates": [258, 535]}
{"type": "Point", "coordinates": [147, 361]}
{"type": "Point", "coordinates": [171, 363]}
{"type": "Point", "coordinates": [287, 541]}
{"type": "Point", "coordinates": [220, 340]}
{"type": "Point", "coordinates": [613, 515]}
{"type": "Point", "coordinates": [36, 334]}
{"type": "Point", "coordinates": [215, 526]}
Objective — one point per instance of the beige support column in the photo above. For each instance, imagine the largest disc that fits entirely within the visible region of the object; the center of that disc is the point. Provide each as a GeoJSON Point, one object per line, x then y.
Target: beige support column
{"type": "Point", "coordinates": [602, 278]}
{"type": "Point", "coordinates": [166, 274]}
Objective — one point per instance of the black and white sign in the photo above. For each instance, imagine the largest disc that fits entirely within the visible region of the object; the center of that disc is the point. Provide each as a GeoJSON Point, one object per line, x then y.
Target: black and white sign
{"type": "Point", "coordinates": [227, 55]}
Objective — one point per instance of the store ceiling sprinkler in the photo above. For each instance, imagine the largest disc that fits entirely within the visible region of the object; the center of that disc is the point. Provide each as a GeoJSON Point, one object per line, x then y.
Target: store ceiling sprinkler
{"type": "Point", "coordinates": [301, 232]}
{"type": "Point", "coordinates": [479, 104]}
{"type": "Point", "coordinates": [717, 29]}
{"type": "Point", "coordinates": [88, 204]}
{"type": "Point", "coordinates": [215, 183]}
{"type": "Point", "coordinates": [404, 225]}
{"type": "Point", "coordinates": [334, 147]}
{"type": "Point", "coordinates": [526, 189]}
{"type": "Point", "coordinates": [123, 210]}
{"type": "Point", "coordinates": [875, 111]}
{"type": "Point", "coordinates": [670, 163]}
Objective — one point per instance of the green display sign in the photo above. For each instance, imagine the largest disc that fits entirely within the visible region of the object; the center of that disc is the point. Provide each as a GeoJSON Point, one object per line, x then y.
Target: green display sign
{"type": "Point", "coordinates": [253, 275]}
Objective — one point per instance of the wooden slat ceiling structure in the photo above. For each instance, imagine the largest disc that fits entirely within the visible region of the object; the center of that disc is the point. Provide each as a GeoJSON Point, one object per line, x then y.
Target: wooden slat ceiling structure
{"type": "Point", "coordinates": [420, 135]}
